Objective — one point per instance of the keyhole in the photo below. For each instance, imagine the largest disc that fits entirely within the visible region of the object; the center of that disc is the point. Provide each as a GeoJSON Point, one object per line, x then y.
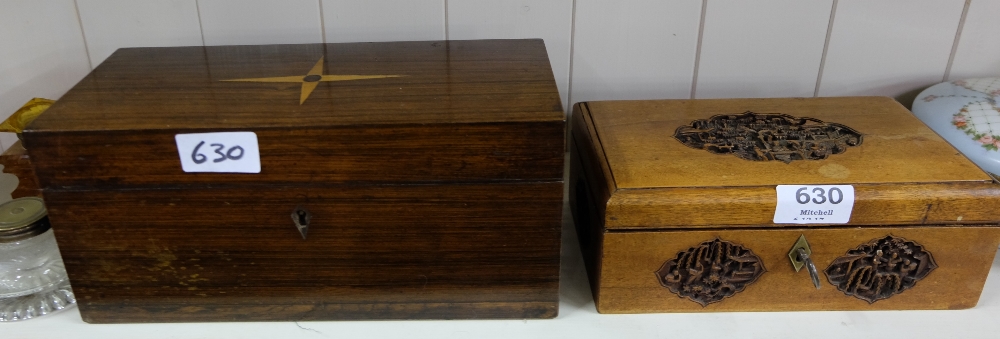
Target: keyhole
{"type": "Point", "coordinates": [302, 217]}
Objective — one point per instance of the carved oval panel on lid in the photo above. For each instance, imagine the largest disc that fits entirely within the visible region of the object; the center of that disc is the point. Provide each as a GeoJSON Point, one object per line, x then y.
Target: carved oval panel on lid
{"type": "Point", "coordinates": [880, 269]}
{"type": "Point", "coordinates": [712, 271]}
{"type": "Point", "coordinates": [766, 136]}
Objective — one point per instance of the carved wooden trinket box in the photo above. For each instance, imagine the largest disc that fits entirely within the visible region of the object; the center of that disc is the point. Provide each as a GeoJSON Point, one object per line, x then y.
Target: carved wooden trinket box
{"type": "Point", "coordinates": [393, 181]}
{"type": "Point", "coordinates": [776, 205]}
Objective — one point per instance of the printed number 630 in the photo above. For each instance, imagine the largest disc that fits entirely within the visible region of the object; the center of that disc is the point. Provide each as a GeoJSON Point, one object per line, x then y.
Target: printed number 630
{"type": "Point", "coordinates": [819, 195]}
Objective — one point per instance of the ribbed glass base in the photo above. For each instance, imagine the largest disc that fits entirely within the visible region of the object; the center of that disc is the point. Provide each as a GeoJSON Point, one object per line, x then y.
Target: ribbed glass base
{"type": "Point", "coordinates": [50, 300]}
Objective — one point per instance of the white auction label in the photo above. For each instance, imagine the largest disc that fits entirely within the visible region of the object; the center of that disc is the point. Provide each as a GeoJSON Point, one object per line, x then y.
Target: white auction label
{"type": "Point", "coordinates": [220, 152]}
{"type": "Point", "coordinates": [814, 204]}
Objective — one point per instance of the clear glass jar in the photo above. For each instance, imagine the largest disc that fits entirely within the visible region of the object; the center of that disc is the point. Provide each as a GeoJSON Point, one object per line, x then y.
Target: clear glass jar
{"type": "Point", "coordinates": [33, 280]}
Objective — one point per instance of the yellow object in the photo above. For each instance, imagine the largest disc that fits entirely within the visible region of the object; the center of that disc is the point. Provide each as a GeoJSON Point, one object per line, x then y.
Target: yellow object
{"type": "Point", "coordinates": [20, 119]}
{"type": "Point", "coordinates": [311, 79]}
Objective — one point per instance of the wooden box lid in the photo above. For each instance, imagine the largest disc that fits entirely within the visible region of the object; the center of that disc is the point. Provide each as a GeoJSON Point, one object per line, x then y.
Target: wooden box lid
{"type": "Point", "coordinates": [269, 86]}
{"type": "Point", "coordinates": [427, 111]}
{"type": "Point", "coordinates": [902, 171]}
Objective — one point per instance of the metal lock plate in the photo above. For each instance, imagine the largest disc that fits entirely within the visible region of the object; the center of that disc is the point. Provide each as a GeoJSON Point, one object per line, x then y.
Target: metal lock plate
{"type": "Point", "coordinates": [793, 255]}
{"type": "Point", "coordinates": [800, 255]}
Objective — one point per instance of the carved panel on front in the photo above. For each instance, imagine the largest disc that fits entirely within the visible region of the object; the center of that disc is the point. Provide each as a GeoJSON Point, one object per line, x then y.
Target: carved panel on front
{"type": "Point", "coordinates": [880, 269]}
{"type": "Point", "coordinates": [766, 137]}
{"type": "Point", "coordinates": [711, 271]}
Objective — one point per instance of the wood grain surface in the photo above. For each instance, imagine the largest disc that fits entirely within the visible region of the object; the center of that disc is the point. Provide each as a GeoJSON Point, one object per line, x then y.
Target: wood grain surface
{"type": "Point", "coordinates": [628, 284]}
{"type": "Point", "coordinates": [461, 111]}
{"type": "Point", "coordinates": [638, 139]}
{"type": "Point", "coordinates": [889, 204]}
{"type": "Point", "coordinates": [639, 197]}
{"type": "Point", "coordinates": [496, 152]}
{"type": "Point", "coordinates": [377, 252]}
{"type": "Point", "coordinates": [435, 193]}
{"type": "Point", "coordinates": [903, 173]}
{"type": "Point", "coordinates": [181, 88]}
{"type": "Point", "coordinates": [590, 187]}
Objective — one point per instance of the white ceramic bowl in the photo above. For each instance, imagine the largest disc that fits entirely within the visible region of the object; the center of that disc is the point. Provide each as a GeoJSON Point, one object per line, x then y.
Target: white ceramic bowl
{"type": "Point", "coordinates": [965, 113]}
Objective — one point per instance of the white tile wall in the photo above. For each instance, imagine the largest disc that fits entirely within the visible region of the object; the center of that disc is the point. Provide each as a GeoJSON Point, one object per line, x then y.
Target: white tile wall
{"type": "Point", "coordinates": [634, 49]}
{"type": "Point", "coordinates": [250, 22]}
{"type": "Point", "coordinates": [978, 52]}
{"type": "Point", "coordinates": [550, 20]}
{"type": "Point", "coordinates": [383, 20]}
{"type": "Point", "coordinates": [42, 53]}
{"type": "Point", "coordinates": [762, 48]}
{"type": "Point", "coordinates": [889, 47]}
{"type": "Point", "coordinates": [599, 50]}
{"type": "Point", "coordinates": [112, 24]}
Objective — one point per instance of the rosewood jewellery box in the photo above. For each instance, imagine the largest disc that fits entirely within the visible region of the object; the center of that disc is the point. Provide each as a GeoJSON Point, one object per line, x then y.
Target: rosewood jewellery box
{"type": "Point", "coordinates": [402, 180]}
{"type": "Point", "coordinates": [776, 205]}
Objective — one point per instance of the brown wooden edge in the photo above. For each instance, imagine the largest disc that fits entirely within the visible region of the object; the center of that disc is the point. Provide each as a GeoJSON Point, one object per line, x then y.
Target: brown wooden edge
{"type": "Point", "coordinates": [590, 188]}
{"type": "Point", "coordinates": [753, 206]}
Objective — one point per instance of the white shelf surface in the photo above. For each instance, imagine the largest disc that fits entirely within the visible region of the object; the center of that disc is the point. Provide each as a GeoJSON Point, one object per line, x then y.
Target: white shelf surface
{"type": "Point", "coordinates": [577, 319]}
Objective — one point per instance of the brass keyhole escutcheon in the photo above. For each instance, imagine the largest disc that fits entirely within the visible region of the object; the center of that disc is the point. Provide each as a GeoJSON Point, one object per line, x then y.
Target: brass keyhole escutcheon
{"type": "Point", "coordinates": [800, 256]}
{"type": "Point", "coordinates": [301, 218]}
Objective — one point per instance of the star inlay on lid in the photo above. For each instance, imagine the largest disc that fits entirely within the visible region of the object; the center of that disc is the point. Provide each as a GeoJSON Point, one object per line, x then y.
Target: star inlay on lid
{"type": "Point", "coordinates": [312, 79]}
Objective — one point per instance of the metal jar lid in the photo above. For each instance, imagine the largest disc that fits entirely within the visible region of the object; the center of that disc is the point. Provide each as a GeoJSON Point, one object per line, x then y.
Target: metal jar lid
{"type": "Point", "coordinates": [22, 218]}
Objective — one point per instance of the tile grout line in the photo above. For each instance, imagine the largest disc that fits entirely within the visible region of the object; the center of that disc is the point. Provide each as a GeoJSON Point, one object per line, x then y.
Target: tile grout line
{"type": "Point", "coordinates": [445, 19]}
{"type": "Point", "coordinates": [322, 21]}
{"type": "Point", "coordinates": [569, 76]}
{"type": "Point", "coordinates": [826, 47]}
{"type": "Point", "coordinates": [697, 50]}
{"type": "Point", "coordinates": [83, 35]}
{"type": "Point", "coordinates": [958, 38]}
{"type": "Point", "coordinates": [201, 28]}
